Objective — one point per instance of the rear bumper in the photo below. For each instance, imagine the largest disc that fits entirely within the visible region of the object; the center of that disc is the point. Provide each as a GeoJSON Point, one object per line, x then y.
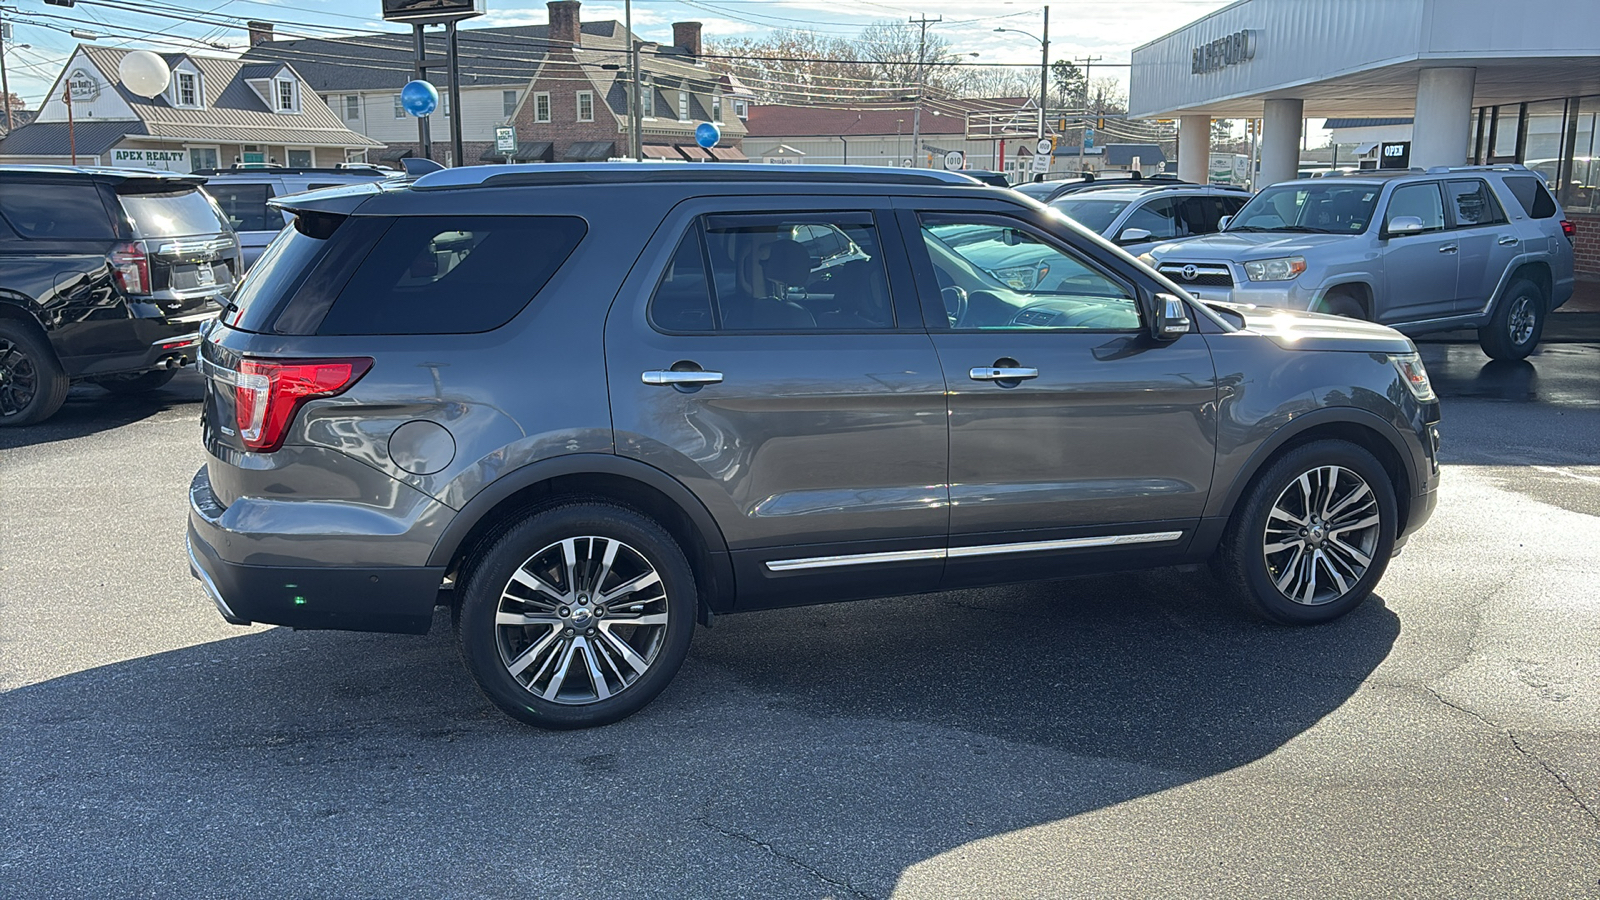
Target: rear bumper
{"type": "Point", "coordinates": [396, 599]}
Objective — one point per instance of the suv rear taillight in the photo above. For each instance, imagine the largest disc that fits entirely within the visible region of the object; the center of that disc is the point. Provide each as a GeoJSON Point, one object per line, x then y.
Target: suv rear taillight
{"type": "Point", "coordinates": [268, 393]}
{"type": "Point", "coordinates": [1568, 229]}
{"type": "Point", "coordinates": [130, 268]}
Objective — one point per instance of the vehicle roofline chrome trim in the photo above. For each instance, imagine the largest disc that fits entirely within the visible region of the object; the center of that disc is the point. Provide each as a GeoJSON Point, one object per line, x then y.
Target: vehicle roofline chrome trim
{"type": "Point", "coordinates": [893, 556]}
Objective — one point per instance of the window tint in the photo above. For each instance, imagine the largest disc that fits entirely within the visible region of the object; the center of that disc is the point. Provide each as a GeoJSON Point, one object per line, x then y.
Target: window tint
{"type": "Point", "coordinates": [172, 213]}
{"type": "Point", "coordinates": [800, 272]}
{"type": "Point", "coordinates": [1531, 196]}
{"type": "Point", "coordinates": [60, 212]}
{"type": "Point", "coordinates": [1419, 200]}
{"type": "Point", "coordinates": [1159, 217]}
{"type": "Point", "coordinates": [452, 274]}
{"type": "Point", "coordinates": [993, 276]}
{"type": "Point", "coordinates": [1473, 203]}
{"type": "Point", "coordinates": [245, 206]}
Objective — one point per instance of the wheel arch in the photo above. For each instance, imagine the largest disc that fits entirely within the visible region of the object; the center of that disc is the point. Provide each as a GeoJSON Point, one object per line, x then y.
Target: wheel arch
{"type": "Point", "coordinates": [16, 312]}
{"type": "Point", "coordinates": [599, 476]}
{"type": "Point", "coordinates": [1536, 271]}
{"type": "Point", "coordinates": [1356, 426]}
{"type": "Point", "coordinates": [1357, 289]}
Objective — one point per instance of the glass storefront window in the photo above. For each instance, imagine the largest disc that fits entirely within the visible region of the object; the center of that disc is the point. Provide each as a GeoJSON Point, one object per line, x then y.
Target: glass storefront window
{"type": "Point", "coordinates": [1543, 150]}
{"type": "Point", "coordinates": [1579, 192]}
{"type": "Point", "coordinates": [1505, 132]}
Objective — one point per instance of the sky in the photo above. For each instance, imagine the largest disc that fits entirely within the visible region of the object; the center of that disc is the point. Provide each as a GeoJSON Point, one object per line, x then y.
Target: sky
{"type": "Point", "coordinates": [1108, 29]}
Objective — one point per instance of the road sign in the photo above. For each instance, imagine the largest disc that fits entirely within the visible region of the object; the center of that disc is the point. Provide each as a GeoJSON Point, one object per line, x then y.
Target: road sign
{"type": "Point", "coordinates": [1044, 146]}
{"type": "Point", "coordinates": [1088, 138]}
{"type": "Point", "coordinates": [905, 163]}
{"type": "Point", "coordinates": [954, 159]}
{"type": "Point", "coordinates": [1041, 163]}
{"type": "Point", "coordinates": [505, 140]}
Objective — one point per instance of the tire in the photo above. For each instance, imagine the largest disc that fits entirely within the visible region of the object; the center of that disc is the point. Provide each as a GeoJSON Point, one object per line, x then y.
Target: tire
{"type": "Point", "coordinates": [143, 383]}
{"type": "Point", "coordinates": [1323, 469]}
{"type": "Point", "coordinates": [1341, 303]}
{"type": "Point", "coordinates": [527, 573]}
{"type": "Point", "coordinates": [1517, 324]}
{"type": "Point", "coordinates": [32, 385]}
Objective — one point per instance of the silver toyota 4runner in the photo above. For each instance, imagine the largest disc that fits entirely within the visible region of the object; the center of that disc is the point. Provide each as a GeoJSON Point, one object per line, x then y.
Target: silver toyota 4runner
{"type": "Point", "coordinates": [1483, 247]}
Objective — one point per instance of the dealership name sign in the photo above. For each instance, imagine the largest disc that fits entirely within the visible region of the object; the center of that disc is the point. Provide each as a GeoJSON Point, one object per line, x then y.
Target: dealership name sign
{"type": "Point", "coordinates": [1229, 50]}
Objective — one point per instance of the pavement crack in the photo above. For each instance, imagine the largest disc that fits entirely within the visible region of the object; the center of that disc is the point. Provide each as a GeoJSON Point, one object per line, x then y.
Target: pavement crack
{"type": "Point", "coordinates": [792, 860]}
{"type": "Point", "coordinates": [1560, 779]}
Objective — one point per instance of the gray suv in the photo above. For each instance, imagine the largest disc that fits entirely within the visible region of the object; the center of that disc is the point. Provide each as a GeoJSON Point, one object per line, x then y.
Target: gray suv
{"type": "Point", "coordinates": [1482, 247]}
{"type": "Point", "coordinates": [586, 406]}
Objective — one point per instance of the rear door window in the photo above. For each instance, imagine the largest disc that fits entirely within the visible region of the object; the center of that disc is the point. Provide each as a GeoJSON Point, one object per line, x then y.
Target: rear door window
{"type": "Point", "coordinates": [245, 206]}
{"type": "Point", "coordinates": [452, 274]}
{"type": "Point", "coordinates": [1531, 196]}
{"type": "Point", "coordinates": [171, 213]}
{"type": "Point", "coordinates": [56, 212]}
{"type": "Point", "coordinates": [1473, 204]}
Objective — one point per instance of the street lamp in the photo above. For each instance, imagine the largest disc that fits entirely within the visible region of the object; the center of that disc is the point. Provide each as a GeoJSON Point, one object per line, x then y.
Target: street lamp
{"type": "Point", "coordinates": [1044, 64]}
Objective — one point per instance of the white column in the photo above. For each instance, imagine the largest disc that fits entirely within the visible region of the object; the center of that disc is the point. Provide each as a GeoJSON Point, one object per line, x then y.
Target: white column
{"type": "Point", "coordinates": [1281, 126]}
{"type": "Point", "coordinates": [1194, 148]}
{"type": "Point", "coordinates": [1444, 117]}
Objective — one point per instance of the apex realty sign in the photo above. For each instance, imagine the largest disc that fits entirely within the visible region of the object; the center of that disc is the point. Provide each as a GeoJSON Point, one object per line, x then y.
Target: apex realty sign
{"type": "Point", "coordinates": [165, 160]}
{"type": "Point", "coordinates": [1229, 50]}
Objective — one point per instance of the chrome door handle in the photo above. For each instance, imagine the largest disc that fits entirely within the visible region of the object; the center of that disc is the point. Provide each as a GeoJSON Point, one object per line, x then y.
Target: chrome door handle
{"type": "Point", "coordinates": [991, 373]}
{"type": "Point", "coordinates": [1448, 248]}
{"type": "Point", "coordinates": [1508, 239]}
{"type": "Point", "coordinates": [693, 376]}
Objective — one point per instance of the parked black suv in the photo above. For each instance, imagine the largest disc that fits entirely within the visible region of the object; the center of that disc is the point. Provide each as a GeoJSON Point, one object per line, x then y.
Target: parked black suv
{"type": "Point", "coordinates": [587, 405]}
{"type": "Point", "coordinates": [105, 275]}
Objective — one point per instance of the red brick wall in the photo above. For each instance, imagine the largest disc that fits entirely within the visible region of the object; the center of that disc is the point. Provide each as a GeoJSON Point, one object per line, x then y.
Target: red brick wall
{"type": "Point", "coordinates": [564, 129]}
{"type": "Point", "coordinates": [1586, 244]}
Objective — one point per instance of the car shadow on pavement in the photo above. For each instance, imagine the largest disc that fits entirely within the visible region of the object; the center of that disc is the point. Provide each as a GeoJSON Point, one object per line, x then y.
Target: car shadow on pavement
{"type": "Point", "coordinates": [811, 752]}
{"type": "Point", "coordinates": [91, 409]}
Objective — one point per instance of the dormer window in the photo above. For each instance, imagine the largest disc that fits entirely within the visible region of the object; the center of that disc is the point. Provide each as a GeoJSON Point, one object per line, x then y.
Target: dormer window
{"type": "Point", "coordinates": [285, 95]}
{"type": "Point", "coordinates": [188, 89]}
{"type": "Point", "coordinates": [741, 108]}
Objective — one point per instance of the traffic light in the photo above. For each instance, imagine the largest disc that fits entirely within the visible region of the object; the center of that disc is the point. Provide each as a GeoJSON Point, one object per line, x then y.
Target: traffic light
{"type": "Point", "coordinates": [1100, 122]}
{"type": "Point", "coordinates": [1062, 125]}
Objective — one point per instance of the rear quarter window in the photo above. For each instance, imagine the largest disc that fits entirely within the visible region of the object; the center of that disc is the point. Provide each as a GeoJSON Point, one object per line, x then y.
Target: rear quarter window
{"type": "Point", "coordinates": [1531, 195]}
{"type": "Point", "coordinates": [56, 212]}
{"type": "Point", "coordinates": [451, 274]}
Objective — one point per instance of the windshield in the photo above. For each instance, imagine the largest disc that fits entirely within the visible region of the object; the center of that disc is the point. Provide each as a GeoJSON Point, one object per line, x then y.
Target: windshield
{"type": "Point", "coordinates": [1095, 215]}
{"type": "Point", "coordinates": [1331, 208]}
{"type": "Point", "coordinates": [172, 213]}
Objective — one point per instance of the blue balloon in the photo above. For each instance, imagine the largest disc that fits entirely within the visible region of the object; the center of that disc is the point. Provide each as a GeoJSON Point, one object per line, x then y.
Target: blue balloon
{"type": "Point", "coordinates": [707, 135]}
{"type": "Point", "coordinates": [419, 98]}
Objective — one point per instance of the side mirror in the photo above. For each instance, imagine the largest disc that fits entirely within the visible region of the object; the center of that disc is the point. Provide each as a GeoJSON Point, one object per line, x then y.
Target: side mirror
{"type": "Point", "coordinates": [1222, 223]}
{"type": "Point", "coordinates": [1133, 235]}
{"type": "Point", "coordinates": [1404, 225]}
{"type": "Point", "coordinates": [1168, 317]}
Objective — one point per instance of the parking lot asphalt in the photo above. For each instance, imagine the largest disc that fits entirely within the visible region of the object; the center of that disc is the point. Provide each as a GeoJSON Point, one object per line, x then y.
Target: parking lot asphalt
{"type": "Point", "coordinates": [1121, 735]}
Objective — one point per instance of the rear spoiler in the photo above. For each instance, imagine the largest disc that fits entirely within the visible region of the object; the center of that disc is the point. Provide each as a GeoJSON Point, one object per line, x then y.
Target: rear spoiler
{"type": "Point", "coordinates": [340, 200]}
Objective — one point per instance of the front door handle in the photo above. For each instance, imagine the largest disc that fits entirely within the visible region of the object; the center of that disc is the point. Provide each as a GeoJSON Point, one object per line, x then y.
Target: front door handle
{"type": "Point", "coordinates": [1448, 248]}
{"type": "Point", "coordinates": [1508, 239]}
{"type": "Point", "coordinates": [691, 377]}
{"type": "Point", "coordinates": [1002, 373]}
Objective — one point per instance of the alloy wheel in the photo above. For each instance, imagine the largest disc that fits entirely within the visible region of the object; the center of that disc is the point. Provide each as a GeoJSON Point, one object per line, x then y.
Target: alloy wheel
{"type": "Point", "coordinates": [19, 379]}
{"type": "Point", "coordinates": [1321, 534]}
{"type": "Point", "coordinates": [1521, 321]}
{"type": "Point", "coordinates": [581, 620]}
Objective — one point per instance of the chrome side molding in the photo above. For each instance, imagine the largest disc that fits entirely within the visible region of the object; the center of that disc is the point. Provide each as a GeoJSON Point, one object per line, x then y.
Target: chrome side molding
{"type": "Point", "coordinates": [893, 556]}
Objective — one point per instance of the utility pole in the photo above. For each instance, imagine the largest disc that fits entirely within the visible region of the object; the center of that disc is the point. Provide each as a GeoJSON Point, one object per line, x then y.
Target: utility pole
{"type": "Point", "coordinates": [1044, 72]}
{"type": "Point", "coordinates": [916, 115]}
{"type": "Point", "coordinates": [5, 84]}
{"type": "Point", "coordinates": [635, 99]}
{"type": "Point", "coordinates": [1088, 63]}
{"type": "Point", "coordinates": [453, 57]}
{"type": "Point", "coordinates": [424, 134]}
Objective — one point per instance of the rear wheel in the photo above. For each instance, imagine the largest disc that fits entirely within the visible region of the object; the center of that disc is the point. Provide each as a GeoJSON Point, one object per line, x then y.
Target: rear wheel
{"type": "Point", "coordinates": [1312, 536]}
{"type": "Point", "coordinates": [578, 616]}
{"type": "Point", "coordinates": [32, 385]}
{"type": "Point", "coordinates": [1518, 322]}
{"type": "Point", "coordinates": [143, 383]}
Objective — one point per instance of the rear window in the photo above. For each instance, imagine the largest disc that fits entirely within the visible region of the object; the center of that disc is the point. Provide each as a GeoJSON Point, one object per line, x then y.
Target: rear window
{"type": "Point", "coordinates": [245, 206]}
{"type": "Point", "coordinates": [59, 212]}
{"type": "Point", "coordinates": [1531, 194]}
{"type": "Point", "coordinates": [179, 213]}
{"type": "Point", "coordinates": [451, 274]}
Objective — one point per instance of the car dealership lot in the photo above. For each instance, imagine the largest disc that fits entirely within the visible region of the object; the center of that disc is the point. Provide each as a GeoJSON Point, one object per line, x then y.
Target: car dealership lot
{"type": "Point", "coordinates": [1119, 735]}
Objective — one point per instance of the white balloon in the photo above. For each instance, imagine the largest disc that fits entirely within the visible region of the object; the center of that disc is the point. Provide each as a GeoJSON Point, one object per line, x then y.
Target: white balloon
{"type": "Point", "coordinates": [144, 73]}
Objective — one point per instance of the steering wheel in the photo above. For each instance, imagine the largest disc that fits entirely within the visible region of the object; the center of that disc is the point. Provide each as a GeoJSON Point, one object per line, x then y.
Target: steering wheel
{"type": "Point", "coordinates": [955, 303]}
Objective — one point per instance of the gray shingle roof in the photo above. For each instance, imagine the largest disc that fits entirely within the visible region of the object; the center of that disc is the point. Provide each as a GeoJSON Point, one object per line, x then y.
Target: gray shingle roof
{"type": "Point", "coordinates": [1363, 123]}
{"type": "Point", "coordinates": [50, 138]}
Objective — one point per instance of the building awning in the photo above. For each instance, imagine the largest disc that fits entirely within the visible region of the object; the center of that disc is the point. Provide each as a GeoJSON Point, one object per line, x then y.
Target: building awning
{"type": "Point", "coordinates": [489, 154]}
{"type": "Point", "coordinates": [396, 153]}
{"type": "Point", "coordinates": [591, 151]}
{"type": "Point", "coordinates": [729, 154]}
{"type": "Point", "coordinates": [535, 151]}
{"type": "Point", "coordinates": [1365, 148]}
{"type": "Point", "coordinates": [694, 152]}
{"type": "Point", "coordinates": [659, 151]}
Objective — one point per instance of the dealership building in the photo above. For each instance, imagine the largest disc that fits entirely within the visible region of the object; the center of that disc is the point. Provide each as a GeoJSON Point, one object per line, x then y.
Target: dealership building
{"type": "Point", "coordinates": [1481, 81]}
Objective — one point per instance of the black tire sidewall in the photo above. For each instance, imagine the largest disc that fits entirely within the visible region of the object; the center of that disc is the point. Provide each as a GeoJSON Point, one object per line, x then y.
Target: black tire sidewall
{"type": "Point", "coordinates": [1496, 339]}
{"type": "Point", "coordinates": [476, 631]}
{"type": "Point", "coordinates": [1246, 564]}
{"type": "Point", "coordinates": [53, 382]}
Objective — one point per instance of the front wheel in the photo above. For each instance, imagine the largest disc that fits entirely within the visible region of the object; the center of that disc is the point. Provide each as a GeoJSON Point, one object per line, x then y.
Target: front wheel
{"type": "Point", "coordinates": [1312, 536]}
{"type": "Point", "coordinates": [1517, 324]}
{"type": "Point", "coordinates": [579, 616]}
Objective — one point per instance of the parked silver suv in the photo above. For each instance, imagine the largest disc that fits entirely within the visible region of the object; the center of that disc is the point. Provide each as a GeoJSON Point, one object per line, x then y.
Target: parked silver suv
{"type": "Point", "coordinates": [1482, 247]}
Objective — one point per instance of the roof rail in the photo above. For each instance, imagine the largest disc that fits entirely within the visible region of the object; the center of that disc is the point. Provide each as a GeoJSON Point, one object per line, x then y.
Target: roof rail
{"type": "Point", "coordinates": [1492, 167]}
{"type": "Point", "coordinates": [356, 169]}
{"type": "Point", "coordinates": [552, 174]}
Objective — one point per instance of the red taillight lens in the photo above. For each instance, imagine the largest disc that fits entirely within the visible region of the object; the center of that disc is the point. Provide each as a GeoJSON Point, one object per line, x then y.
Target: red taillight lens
{"type": "Point", "coordinates": [268, 393]}
{"type": "Point", "coordinates": [1568, 229]}
{"type": "Point", "coordinates": [130, 268]}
